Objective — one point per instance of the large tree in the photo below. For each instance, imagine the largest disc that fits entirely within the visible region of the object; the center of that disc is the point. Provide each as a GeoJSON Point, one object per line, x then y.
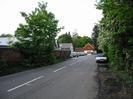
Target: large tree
{"type": "Point", "coordinates": [37, 37]}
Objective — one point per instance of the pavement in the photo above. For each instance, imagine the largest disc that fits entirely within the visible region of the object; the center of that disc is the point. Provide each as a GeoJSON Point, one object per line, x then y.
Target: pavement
{"type": "Point", "coordinates": [71, 79]}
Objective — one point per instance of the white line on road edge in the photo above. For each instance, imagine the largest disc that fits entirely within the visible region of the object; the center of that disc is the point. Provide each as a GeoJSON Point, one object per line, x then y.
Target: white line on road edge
{"type": "Point", "coordinates": [27, 83]}
{"type": "Point", "coordinates": [59, 69]}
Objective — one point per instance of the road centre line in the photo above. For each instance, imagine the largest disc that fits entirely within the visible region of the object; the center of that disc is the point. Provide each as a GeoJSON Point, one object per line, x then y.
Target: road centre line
{"type": "Point", "coordinates": [59, 69]}
{"type": "Point", "coordinates": [26, 83]}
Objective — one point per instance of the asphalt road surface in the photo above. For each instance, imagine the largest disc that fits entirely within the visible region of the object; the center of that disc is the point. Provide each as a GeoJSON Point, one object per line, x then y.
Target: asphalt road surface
{"type": "Point", "coordinates": [71, 79]}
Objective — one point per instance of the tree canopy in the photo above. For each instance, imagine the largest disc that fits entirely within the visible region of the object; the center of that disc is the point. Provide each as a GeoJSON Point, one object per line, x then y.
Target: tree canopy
{"type": "Point", "coordinates": [37, 36]}
{"type": "Point", "coordinates": [82, 41]}
{"type": "Point", "coordinates": [79, 41]}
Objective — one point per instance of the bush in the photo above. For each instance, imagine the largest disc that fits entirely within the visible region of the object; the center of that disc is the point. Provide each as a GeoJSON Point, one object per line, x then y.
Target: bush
{"type": "Point", "coordinates": [3, 66]}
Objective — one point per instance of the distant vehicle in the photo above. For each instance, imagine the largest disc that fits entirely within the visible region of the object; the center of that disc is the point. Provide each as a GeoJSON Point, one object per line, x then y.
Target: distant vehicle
{"type": "Point", "coordinates": [101, 58]}
{"type": "Point", "coordinates": [73, 54]}
{"type": "Point", "coordinates": [77, 54]}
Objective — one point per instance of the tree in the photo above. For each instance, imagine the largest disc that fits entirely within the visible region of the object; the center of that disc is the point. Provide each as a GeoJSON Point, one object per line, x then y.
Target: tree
{"type": "Point", "coordinates": [76, 42]}
{"type": "Point", "coordinates": [79, 41]}
{"type": "Point", "coordinates": [84, 40]}
{"type": "Point", "coordinates": [65, 38]}
{"type": "Point", "coordinates": [94, 36]}
{"type": "Point", "coordinates": [37, 37]}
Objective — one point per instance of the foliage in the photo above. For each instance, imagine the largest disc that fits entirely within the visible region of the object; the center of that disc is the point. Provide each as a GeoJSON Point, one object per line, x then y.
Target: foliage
{"type": "Point", "coordinates": [84, 40]}
{"type": "Point", "coordinates": [94, 36]}
{"type": "Point", "coordinates": [6, 35]}
{"type": "Point", "coordinates": [3, 65]}
{"type": "Point", "coordinates": [115, 32]}
{"type": "Point", "coordinates": [79, 41]}
{"type": "Point", "coordinates": [65, 38]}
{"type": "Point", "coordinates": [36, 38]}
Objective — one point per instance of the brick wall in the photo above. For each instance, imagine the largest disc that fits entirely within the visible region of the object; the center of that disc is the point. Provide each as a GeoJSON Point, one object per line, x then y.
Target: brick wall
{"type": "Point", "coordinates": [14, 56]}
{"type": "Point", "coordinates": [11, 55]}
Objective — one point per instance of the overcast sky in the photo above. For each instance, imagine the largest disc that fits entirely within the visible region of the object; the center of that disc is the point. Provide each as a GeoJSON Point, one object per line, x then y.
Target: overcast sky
{"type": "Point", "coordinates": [75, 15]}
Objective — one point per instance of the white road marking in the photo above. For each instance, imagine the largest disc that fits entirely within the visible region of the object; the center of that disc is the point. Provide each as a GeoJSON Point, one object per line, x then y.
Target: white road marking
{"type": "Point", "coordinates": [59, 69]}
{"type": "Point", "coordinates": [26, 83]}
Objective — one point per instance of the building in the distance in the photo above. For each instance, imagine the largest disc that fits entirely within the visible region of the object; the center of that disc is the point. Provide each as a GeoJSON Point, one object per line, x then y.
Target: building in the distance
{"type": "Point", "coordinates": [7, 41]}
{"type": "Point", "coordinates": [66, 47]}
{"type": "Point", "coordinates": [89, 48]}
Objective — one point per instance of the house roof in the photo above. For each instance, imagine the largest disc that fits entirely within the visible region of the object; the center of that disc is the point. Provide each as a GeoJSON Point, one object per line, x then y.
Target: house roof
{"type": "Point", "coordinates": [4, 41]}
{"type": "Point", "coordinates": [65, 45]}
{"type": "Point", "coordinates": [89, 47]}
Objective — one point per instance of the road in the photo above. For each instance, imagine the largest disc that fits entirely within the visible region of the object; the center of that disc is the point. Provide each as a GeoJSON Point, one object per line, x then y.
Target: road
{"type": "Point", "coordinates": [71, 79]}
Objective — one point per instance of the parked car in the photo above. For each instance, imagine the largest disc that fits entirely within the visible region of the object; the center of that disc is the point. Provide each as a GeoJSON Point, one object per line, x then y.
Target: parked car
{"type": "Point", "coordinates": [101, 58]}
{"type": "Point", "coordinates": [77, 54]}
{"type": "Point", "coordinates": [73, 54]}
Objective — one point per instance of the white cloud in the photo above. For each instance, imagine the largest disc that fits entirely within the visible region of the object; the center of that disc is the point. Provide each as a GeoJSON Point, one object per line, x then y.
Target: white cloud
{"type": "Point", "coordinates": [73, 14]}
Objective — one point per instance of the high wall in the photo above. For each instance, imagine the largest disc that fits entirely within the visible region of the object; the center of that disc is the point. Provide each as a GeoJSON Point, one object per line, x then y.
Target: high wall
{"type": "Point", "coordinates": [11, 55]}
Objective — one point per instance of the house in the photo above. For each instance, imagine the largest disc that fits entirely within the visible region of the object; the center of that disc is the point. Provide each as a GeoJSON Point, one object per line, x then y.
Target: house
{"type": "Point", "coordinates": [89, 48]}
{"type": "Point", "coordinates": [6, 41]}
{"type": "Point", "coordinates": [66, 47]}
